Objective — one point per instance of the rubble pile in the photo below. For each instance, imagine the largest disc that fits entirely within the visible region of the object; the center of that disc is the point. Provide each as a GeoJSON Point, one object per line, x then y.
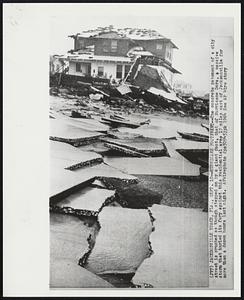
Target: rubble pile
{"type": "Point", "coordinates": [134, 100]}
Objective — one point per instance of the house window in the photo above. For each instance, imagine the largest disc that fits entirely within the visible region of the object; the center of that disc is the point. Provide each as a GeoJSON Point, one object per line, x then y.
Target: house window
{"type": "Point", "coordinates": [159, 46]}
{"type": "Point", "coordinates": [114, 45]}
{"type": "Point", "coordinates": [127, 70]}
{"type": "Point", "coordinates": [100, 71]}
{"type": "Point", "coordinates": [119, 71]}
{"type": "Point", "coordinates": [105, 46]}
{"type": "Point", "coordinates": [78, 67]}
{"type": "Point", "coordinates": [82, 44]}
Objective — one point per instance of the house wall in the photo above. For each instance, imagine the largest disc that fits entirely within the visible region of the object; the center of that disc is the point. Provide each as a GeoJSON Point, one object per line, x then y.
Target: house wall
{"type": "Point", "coordinates": [104, 47]}
{"type": "Point", "coordinates": [151, 45]}
{"type": "Point", "coordinates": [110, 69]}
{"type": "Point", "coordinates": [81, 42]}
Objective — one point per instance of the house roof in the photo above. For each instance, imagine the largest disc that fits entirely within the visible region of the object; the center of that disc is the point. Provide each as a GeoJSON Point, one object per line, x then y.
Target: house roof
{"type": "Point", "coordinates": [135, 34]}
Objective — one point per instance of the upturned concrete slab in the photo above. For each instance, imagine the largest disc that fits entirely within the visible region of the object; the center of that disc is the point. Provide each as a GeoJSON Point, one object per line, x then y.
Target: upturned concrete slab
{"type": "Point", "coordinates": [122, 242]}
{"type": "Point", "coordinates": [64, 182]}
{"type": "Point", "coordinates": [148, 146]}
{"type": "Point", "coordinates": [64, 132]}
{"type": "Point", "coordinates": [88, 199]}
{"type": "Point", "coordinates": [71, 156]}
{"type": "Point", "coordinates": [180, 246]}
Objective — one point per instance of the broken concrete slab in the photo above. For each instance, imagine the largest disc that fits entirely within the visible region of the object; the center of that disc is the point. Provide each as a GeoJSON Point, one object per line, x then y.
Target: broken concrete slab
{"type": "Point", "coordinates": [65, 273]}
{"type": "Point", "coordinates": [106, 171]}
{"type": "Point", "coordinates": [162, 166]}
{"type": "Point", "coordinates": [97, 147]}
{"type": "Point", "coordinates": [68, 243]}
{"type": "Point", "coordinates": [89, 201]}
{"type": "Point", "coordinates": [68, 237]}
{"type": "Point", "coordinates": [194, 136]}
{"type": "Point", "coordinates": [124, 150]}
{"type": "Point", "coordinates": [63, 132]}
{"type": "Point", "coordinates": [118, 123]}
{"type": "Point", "coordinates": [115, 134]}
{"type": "Point", "coordinates": [180, 246]}
{"type": "Point", "coordinates": [147, 146]}
{"type": "Point", "coordinates": [73, 157]}
{"type": "Point", "coordinates": [64, 182]}
{"type": "Point", "coordinates": [123, 241]}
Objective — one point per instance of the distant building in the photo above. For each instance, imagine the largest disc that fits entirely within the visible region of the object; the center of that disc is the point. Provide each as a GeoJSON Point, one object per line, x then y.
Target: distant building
{"type": "Point", "coordinates": [109, 53]}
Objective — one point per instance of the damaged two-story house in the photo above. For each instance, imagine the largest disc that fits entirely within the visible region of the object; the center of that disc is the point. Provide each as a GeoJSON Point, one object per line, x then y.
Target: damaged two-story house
{"type": "Point", "coordinates": [117, 54]}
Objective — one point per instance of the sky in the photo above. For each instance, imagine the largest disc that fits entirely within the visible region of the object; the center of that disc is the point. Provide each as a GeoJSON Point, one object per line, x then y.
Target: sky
{"type": "Point", "coordinates": [190, 34]}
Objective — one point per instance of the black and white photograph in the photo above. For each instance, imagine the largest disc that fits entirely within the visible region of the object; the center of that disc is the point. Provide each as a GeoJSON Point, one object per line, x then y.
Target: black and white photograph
{"type": "Point", "coordinates": [129, 134]}
{"type": "Point", "coordinates": [137, 107]}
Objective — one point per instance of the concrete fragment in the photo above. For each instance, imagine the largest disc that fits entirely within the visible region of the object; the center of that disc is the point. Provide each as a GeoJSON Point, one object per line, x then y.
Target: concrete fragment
{"type": "Point", "coordinates": [117, 123]}
{"type": "Point", "coordinates": [63, 132]}
{"type": "Point", "coordinates": [73, 157]}
{"type": "Point", "coordinates": [180, 246]}
{"type": "Point", "coordinates": [122, 242]}
{"type": "Point", "coordinates": [124, 150]}
{"type": "Point", "coordinates": [147, 146]}
{"type": "Point", "coordinates": [88, 200]}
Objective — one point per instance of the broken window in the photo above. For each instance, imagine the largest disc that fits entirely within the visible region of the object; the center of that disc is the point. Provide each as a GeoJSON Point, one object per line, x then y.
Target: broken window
{"type": "Point", "coordinates": [119, 71]}
{"type": "Point", "coordinates": [127, 70]}
{"type": "Point", "coordinates": [159, 46]}
{"type": "Point", "coordinates": [100, 71]}
{"type": "Point", "coordinates": [114, 45]}
{"type": "Point", "coordinates": [78, 67]}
